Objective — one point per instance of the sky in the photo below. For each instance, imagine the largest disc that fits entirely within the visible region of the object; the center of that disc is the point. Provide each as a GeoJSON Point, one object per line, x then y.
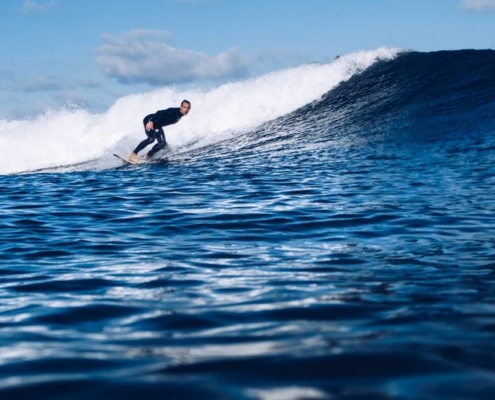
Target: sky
{"type": "Point", "coordinates": [89, 53]}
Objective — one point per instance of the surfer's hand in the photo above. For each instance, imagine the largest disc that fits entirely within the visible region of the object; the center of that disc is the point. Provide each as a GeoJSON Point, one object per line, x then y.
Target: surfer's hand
{"type": "Point", "coordinates": [149, 126]}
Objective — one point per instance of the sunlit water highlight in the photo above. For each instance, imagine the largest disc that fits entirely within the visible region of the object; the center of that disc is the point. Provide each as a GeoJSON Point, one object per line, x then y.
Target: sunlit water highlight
{"type": "Point", "coordinates": [341, 250]}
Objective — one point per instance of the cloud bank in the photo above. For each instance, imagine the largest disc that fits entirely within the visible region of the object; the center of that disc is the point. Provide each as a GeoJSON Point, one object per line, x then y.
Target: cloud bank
{"type": "Point", "coordinates": [478, 5]}
{"type": "Point", "coordinates": [145, 56]}
{"type": "Point", "coordinates": [43, 83]}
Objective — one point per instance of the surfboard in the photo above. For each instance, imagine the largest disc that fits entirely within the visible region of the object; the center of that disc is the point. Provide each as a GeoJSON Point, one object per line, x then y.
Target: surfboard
{"type": "Point", "coordinates": [126, 160]}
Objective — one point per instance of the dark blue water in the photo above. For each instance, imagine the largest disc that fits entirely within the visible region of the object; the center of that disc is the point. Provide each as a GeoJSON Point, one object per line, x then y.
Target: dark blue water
{"type": "Point", "coordinates": [346, 250]}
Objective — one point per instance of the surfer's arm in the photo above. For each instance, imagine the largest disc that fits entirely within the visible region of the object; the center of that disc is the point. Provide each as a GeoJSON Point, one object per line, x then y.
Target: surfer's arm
{"type": "Point", "coordinates": [162, 118]}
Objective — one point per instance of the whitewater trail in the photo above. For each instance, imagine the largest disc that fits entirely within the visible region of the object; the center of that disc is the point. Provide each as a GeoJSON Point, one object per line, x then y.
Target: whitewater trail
{"type": "Point", "coordinates": [67, 137]}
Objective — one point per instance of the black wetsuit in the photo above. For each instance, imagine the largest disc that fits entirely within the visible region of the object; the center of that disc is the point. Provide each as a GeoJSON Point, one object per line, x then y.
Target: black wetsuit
{"type": "Point", "coordinates": [160, 119]}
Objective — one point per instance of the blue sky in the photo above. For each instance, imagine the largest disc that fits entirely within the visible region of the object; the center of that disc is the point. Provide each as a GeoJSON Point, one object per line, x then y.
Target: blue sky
{"type": "Point", "coordinates": [89, 53]}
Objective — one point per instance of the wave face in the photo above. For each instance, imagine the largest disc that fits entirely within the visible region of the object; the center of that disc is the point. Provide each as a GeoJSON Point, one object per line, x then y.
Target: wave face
{"type": "Point", "coordinates": [417, 99]}
{"type": "Point", "coordinates": [320, 232]}
{"type": "Point", "coordinates": [65, 137]}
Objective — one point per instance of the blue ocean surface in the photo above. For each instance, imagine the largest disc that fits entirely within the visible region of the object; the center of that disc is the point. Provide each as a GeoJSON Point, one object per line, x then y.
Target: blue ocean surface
{"type": "Point", "coordinates": [317, 233]}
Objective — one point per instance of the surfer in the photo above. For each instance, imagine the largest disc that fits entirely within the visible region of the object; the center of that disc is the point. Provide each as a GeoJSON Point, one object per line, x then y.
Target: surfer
{"type": "Point", "coordinates": [153, 127]}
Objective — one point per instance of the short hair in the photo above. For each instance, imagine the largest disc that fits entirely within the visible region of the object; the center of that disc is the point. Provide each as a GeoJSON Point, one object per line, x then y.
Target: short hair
{"type": "Point", "coordinates": [186, 101]}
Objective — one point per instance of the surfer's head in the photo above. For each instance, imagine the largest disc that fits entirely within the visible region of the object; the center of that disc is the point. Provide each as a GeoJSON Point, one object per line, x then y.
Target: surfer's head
{"type": "Point", "coordinates": [185, 107]}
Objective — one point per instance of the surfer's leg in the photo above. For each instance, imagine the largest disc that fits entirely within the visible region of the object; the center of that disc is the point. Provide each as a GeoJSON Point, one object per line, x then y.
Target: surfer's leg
{"type": "Point", "coordinates": [143, 144]}
{"type": "Point", "coordinates": [146, 142]}
{"type": "Point", "coordinates": [160, 137]}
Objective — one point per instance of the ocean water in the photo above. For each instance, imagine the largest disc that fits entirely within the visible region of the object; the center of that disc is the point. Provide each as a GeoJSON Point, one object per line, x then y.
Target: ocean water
{"type": "Point", "coordinates": [322, 232]}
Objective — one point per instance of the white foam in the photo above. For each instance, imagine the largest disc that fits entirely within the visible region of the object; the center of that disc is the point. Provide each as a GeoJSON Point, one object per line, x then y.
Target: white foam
{"type": "Point", "coordinates": [73, 136]}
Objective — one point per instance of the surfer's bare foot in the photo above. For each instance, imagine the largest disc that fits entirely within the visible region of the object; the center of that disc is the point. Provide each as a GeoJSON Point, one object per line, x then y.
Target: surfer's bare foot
{"type": "Point", "coordinates": [133, 157]}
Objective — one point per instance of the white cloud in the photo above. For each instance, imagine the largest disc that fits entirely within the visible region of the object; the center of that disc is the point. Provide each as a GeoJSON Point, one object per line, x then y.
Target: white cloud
{"type": "Point", "coordinates": [30, 6]}
{"type": "Point", "coordinates": [43, 83]}
{"type": "Point", "coordinates": [145, 56]}
{"type": "Point", "coordinates": [478, 5]}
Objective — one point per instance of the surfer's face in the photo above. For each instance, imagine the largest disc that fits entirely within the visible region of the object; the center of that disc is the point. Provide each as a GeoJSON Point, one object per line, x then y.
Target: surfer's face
{"type": "Point", "coordinates": [184, 108]}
